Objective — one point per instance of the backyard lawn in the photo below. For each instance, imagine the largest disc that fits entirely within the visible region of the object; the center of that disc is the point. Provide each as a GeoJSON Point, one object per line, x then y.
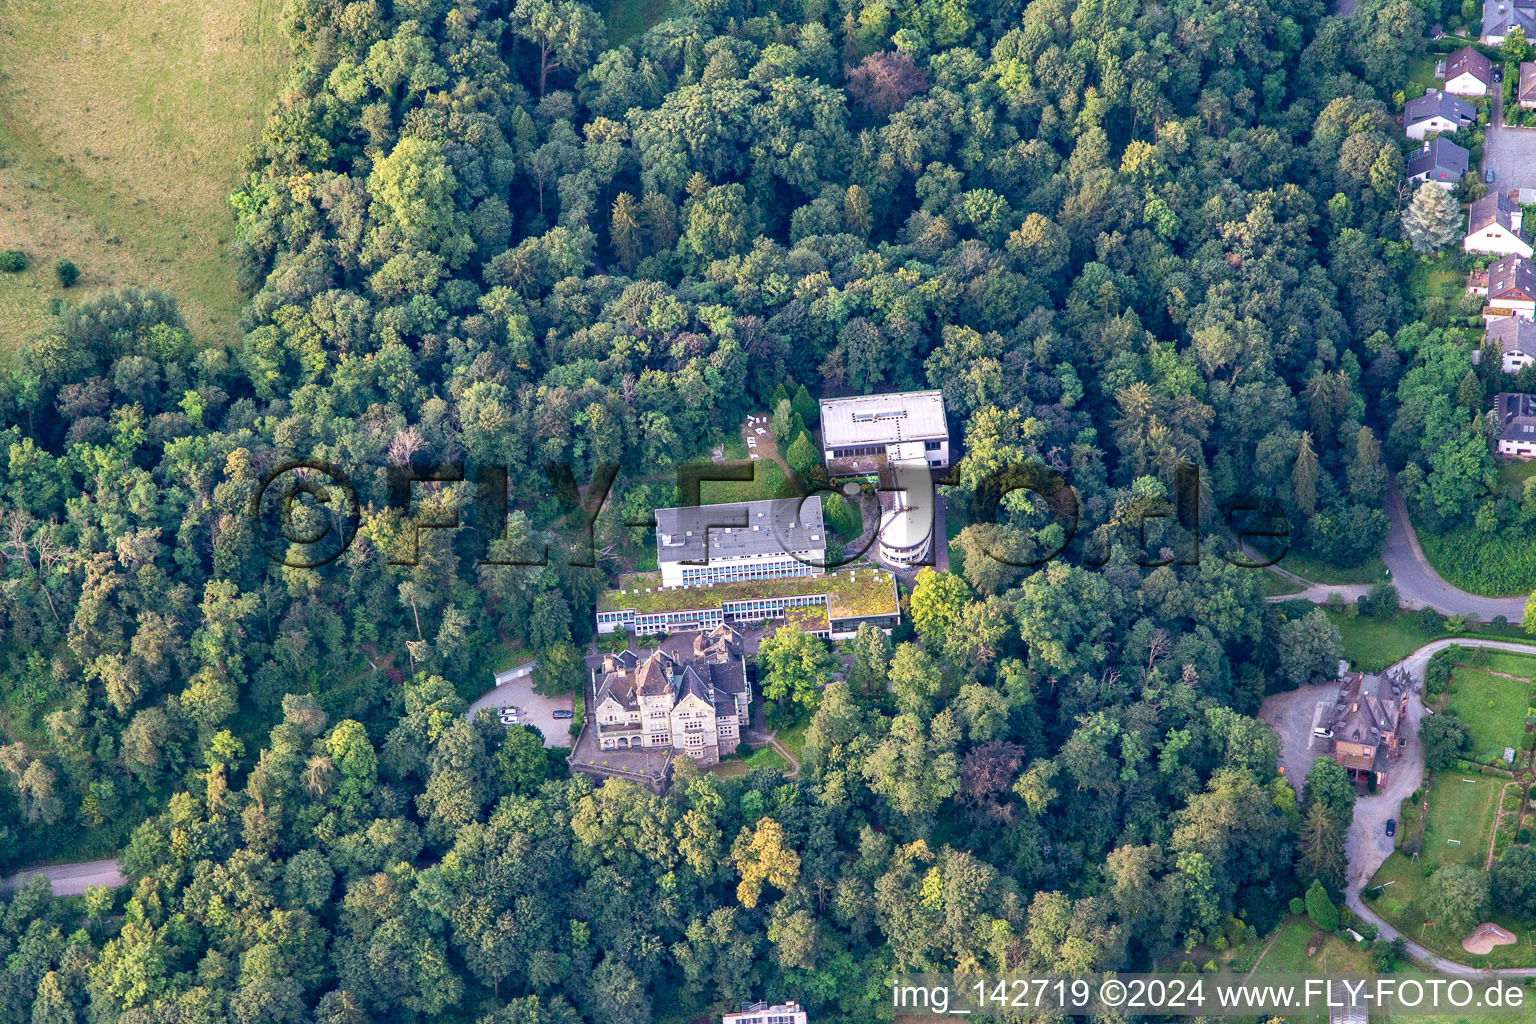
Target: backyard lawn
{"type": "Point", "coordinates": [1493, 708]}
{"type": "Point", "coordinates": [1460, 824]}
{"type": "Point", "coordinates": [762, 757]}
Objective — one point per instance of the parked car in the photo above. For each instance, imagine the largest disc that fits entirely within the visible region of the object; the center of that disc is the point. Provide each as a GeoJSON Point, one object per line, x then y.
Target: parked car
{"type": "Point", "coordinates": [1488, 176]}
{"type": "Point", "coordinates": [1430, 712]}
{"type": "Point", "coordinates": [1391, 826]}
{"type": "Point", "coordinates": [1498, 74]}
{"type": "Point", "coordinates": [565, 714]}
{"type": "Point", "coordinates": [509, 711]}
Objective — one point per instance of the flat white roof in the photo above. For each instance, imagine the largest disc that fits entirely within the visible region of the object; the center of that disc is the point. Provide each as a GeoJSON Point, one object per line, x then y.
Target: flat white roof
{"type": "Point", "coordinates": [883, 419]}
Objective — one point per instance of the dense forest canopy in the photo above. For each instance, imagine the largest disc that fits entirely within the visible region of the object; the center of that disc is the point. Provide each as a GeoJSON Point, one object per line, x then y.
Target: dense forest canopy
{"type": "Point", "coordinates": [1120, 236]}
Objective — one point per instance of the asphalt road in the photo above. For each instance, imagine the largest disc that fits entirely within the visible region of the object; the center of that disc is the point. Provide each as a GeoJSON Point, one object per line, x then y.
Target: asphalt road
{"type": "Point", "coordinates": [72, 879]}
{"type": "Point", "coordinates": [1418, 585]}
{"type": "Point", "coordinates": [1509, 152]}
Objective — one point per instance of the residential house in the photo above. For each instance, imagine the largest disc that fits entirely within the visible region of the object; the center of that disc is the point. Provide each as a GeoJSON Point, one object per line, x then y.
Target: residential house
{"type": "Point", "coordinates": [1493, 226]}
{"type": "Point", "coordinates": [762, 1013]}
{"type": "Point", "coordinates": [1516, 338]}
{"type": "Point", "coordinates": [1364, 724]}
{"type": "Point", "coordinates": [1436, 111]}
{"type": "Point", "coordinates": [1510, 284]}
{"type": "Point", "coordinates": [747, 540]}
{"type": "Point", "coordinates": [1439, 160]}
{"type": "Point", "coordinates": [1468, 73]}
{"type": "Point", "coordinates": [860, 434]}
{"type": "Point", "coordinates": [1515, 417]}
{"type": "Point", "coordinates": [1500, 16]}
{"type": "Point", "coordinates": [696, 703]}
{"type": "Point", "coordinates": [1525, 90]}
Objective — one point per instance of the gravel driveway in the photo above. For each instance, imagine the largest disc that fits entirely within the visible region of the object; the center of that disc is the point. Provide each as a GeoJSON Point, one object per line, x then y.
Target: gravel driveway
{"type": "Point", "coordinates": [532, 709]}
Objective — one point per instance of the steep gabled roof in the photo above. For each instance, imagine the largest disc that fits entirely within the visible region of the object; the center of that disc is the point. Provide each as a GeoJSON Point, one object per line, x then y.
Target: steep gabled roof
{"type": "Point", "coordinates": [1493, 208]}
{"type": "Point", "coordinates": [1511, 277]}
{"type": "Point", "coordinates": [1422, 108]}
{"type": "Point", "coordinates": [1499, 16]}
{"type": "Point", "coordinates": [1467, 61]}
{"type": "Point", "coordinates": [1516, 416]}
{"type": "Point", "coordinates": [1440, 159]}
{"type": "Point", "coordinates": [1513, 335]}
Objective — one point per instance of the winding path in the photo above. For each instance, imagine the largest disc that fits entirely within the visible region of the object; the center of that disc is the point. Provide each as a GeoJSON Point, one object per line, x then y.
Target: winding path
{"type": "Point", "coordinates": [72, 879]}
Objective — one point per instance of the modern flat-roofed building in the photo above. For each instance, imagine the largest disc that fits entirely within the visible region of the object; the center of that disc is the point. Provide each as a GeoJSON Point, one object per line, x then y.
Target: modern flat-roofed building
{"type": "Point", "coordinates": [859, 434]}
{"type": "Point", "coordinates": [748, 540]}
{"type": "Point", "coordinates": [762, 1013]}
{"type": "Point", "coordinates": [830, 605]}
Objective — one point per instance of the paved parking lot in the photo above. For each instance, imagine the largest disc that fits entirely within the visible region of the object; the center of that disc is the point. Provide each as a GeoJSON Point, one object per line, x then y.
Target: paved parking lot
{"type": "Point", "coordinates": [532, 709]}
{"type": "Point", "coordinates": [1292, 714]}
{"type": "Point", "coordinates": [1510, 153]}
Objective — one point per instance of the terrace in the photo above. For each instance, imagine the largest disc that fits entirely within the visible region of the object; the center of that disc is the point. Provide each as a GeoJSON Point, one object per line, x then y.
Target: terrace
{"type": "Point", "coordinates": [855, 590]}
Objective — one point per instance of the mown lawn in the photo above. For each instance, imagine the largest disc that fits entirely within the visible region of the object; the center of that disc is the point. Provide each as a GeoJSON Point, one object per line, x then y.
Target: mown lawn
{"type": "Point", "coordinates": [1493, 708]}
{"type": "Point", "coordinates": [1288, 953]}
{"type": "Point", "coordinates": [1309, 566]}
{"type": "Point", "coordinates": [1461, 808]}
{"type": "Point", "coordinates": [123, 129]}
{"type": "Point", "coordinates": [1522, 665]}
{"type": "Point", "coordinates": [1276, 585]}
{"type": "Point", "coordinates": [1397, 905]}
{"type": "Point", "coordinates": [768, 481]}
{"type": "Point", "coordinates": [762, 757]}
{"type": "Point", "coordinates": [1372, 644]}
{"type": "Point", "coordinates": [1515, 474]}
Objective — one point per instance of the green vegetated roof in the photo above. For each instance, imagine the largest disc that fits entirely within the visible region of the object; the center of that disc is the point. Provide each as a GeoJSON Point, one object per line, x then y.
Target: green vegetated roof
{"type": "Point", "coordinates": [856, 589]}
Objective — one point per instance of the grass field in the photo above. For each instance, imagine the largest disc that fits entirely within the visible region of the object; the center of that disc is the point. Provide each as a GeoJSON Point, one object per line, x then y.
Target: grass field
{"type": "Point", "coordinates": [1460, 811]}
{"type": "Point", "coordinates": [1372, 644]}
{"type": "Point", "coordinates": [1275, 585]}
{"type": "Point", "coordinates": [1288, 953]}
{"type": "Point", "coordinates": [1493, 708]}
{"type": "Point", "coordinates": [1522, 665]}
{"type": "Point", "coordinates": [1310, 567]}
{"type": "Point", "coordinates": [122, 132]}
